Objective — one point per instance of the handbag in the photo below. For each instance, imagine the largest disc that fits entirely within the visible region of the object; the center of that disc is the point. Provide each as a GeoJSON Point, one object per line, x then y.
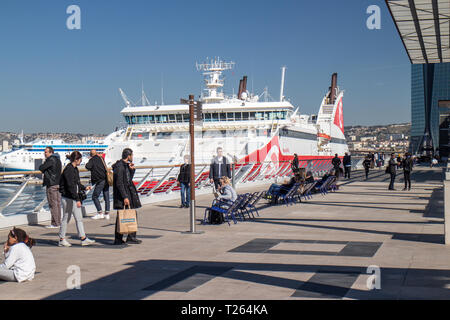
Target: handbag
{"type": "Point", "coordinates": [109, 174]}
{"type": "Point", "coordinates": [127, 221]}
{"type": "Point", "coordinates": [388, 169]}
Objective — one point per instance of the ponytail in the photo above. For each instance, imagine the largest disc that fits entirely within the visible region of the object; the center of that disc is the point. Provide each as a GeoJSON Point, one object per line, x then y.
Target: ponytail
{"type": "Point", "coordinates": [23, 237]}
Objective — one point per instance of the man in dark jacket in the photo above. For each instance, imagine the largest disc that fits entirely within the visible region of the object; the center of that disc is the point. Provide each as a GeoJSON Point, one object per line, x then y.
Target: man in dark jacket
{"type": "Point", "coordinates": [407, 164]}
{"type": "Point", "coordinates": [97, 167]}
{"type": "Point", "coordinates": [336, 162]}
{"type": "Point", "coordinates": [184, 178]}
{"type": "Point", "coordinates": [392, 170]}
{"type": "Point", "coordinates": [124, 192]}
{"type": "Point", "coordinates": [219, 168]}
{"type": "Point", "coordinates": [295, 164]}
{"type": "Point", "coordinates": [366, 165]}
{"type": "Point", "coordinates": [52, 173]}
{"type": "Point", "coordinates": [347, 165]}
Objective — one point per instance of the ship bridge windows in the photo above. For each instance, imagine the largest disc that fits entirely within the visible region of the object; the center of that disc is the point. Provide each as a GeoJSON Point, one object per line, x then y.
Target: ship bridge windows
{"type": "Point", "coordinates": [207, 117]}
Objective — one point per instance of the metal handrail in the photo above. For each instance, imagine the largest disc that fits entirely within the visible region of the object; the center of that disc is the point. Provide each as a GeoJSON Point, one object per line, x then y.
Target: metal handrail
{"type": "Point", "coordinates": [13, 197]}
{"type": "Point", "coordinates": [154, 179]}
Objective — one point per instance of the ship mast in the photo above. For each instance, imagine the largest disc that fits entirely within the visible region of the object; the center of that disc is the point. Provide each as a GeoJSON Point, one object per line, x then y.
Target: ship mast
{"type": "Point", "coordinates": [212, 73]}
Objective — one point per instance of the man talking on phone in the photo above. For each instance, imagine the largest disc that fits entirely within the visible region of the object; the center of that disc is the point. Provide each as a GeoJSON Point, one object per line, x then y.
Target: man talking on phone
{"type": "Point", "coordinates": [124, 192]}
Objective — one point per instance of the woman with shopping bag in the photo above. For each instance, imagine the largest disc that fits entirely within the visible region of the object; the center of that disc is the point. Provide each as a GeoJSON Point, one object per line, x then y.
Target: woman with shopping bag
{"type": "Point", "coordinates": [126, 199]}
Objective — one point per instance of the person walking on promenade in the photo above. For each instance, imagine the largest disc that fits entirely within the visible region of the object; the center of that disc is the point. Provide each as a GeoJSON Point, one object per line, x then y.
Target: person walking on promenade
{"type": "Point", "coordinates": [51, 169]}
{"type": "Point", "coordinates": [219, 168]}
{"type": "Point", "coordinates": [184, 178]}
{"type": "Point", "coordinates": [347, 161]}
{"type": "Point", "coordinates": [96, 165]}
{"type": "Point", "coordinates": [407, 165]}
{"type": "Point", "coordinates": [392, 166]}
{"type": "Point", "coordinates": [19, 263]}
{"type": "Point", "coordinates": [72, 196]}
{"type": "Point", "coordinates": [366, 165]}
{"type": "Point", "coordinates": [336, 162]}
{"type": "Point", "coordinates": [294, 164]}
{"type": "Point", "coordinates": [124, 192]}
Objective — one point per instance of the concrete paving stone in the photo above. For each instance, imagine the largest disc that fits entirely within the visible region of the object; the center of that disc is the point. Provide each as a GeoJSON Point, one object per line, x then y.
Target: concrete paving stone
{"type": "Point", "coordinates": [361, 211]}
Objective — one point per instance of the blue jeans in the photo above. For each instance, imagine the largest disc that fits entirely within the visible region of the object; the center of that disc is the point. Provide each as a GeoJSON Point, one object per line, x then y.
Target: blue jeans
{"type": "Point", "coordinates": [274, 189]}
{"type": "Point", "coordinates": [185, 193]}
{"type": "Point", "coordinates": [100, 187]}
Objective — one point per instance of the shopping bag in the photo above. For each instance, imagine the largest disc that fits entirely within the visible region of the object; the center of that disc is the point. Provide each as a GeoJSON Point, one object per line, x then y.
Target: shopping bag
{"type": "Point", "coordinates": [127, 221]}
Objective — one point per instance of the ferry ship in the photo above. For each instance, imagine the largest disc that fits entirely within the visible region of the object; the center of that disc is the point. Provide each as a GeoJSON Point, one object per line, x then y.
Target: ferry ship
{"type": "Point", "coordinates": [26, 156]}
{"type": "Point", "coordinates": [248, 127]}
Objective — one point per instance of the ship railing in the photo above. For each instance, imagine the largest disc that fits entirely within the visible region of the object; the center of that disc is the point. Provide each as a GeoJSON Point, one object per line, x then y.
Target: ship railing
{"type": "Point", "coordinates": [159, 183]}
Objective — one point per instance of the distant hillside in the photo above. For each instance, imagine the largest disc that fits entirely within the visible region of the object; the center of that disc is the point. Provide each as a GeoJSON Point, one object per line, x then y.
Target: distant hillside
{"type": "Point", "coordinates": [379, 130]}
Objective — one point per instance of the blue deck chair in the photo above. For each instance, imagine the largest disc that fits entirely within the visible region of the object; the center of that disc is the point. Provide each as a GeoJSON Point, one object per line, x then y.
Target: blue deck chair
{"type": "Point", "coordinates": [226, 207]}
{"type": "Point", "coordinates": [252, 203]}
{"type": "Point", "coordinates": [289, 197]}
{"type": "Point", "coordinates": [307, 191]}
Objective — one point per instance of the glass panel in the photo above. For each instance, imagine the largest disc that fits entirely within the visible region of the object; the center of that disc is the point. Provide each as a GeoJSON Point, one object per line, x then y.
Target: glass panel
{"type": "Point", "coordinates": [252, 116]}
{"type": "Point", "coordinates": [171, 118]}
{"type": "Point", "coordinates": [185, 117]}
{"type": "Point", "coordinates": [207, 116]}
{"type": "Point", "coordinates": [244, 115]}
{"type": "Point", "coordinates": [215, 116]}
{"type": "Point", "coordinates": [223, 116]}
{"type": "Point", "coordinates": [259, 115]}
{"type": "Point", "coordinates": [179, 117]}
{"type": "Point", "coordinates": [238, 116]}
{"type": "Point", "coordinates": [230, 116]}
{"type": "Point", "coordinates": [164, 118]}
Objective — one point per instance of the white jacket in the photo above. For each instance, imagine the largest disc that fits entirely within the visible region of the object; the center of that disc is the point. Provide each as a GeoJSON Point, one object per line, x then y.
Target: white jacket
{"type": "Point", "coordinates": [20, 259]}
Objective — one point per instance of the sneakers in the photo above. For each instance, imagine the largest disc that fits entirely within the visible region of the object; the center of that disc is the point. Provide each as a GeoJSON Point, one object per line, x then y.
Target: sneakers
{"type": "Point", "coordinates": [52, 227]}
{"type": "Point", "coordinates": [87, 242]}
{"type": "Point", "coordinates": [64, 243]}
{"type": "Point", "coordinates": [106, 215]}
{"type": "Point", "coordinates": [98, 216]}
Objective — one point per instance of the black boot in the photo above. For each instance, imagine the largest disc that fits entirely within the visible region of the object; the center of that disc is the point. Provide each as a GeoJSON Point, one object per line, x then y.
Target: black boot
{"type": "Point", "coordinates": [132, 238]}
{"type": "Point", "coordinates": [118, 239]}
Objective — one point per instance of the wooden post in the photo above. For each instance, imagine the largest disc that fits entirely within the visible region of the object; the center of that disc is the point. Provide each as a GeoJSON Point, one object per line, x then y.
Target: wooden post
{"type": "Point", "coordinates": [192, 167]}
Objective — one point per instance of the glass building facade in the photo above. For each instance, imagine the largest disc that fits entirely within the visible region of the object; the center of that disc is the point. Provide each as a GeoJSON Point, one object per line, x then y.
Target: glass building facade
{"type": "Point", "coordinates": [430, 83]}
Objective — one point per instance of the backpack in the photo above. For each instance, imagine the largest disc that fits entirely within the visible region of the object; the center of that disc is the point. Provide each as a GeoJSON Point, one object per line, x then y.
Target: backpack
{"type": "Point", "coordinates": [215, 217]}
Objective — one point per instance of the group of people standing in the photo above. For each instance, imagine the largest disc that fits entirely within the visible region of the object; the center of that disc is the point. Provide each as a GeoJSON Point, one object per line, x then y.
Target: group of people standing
{"type": "Point", "coordinates": [64, 187]}
{"type": "Point", "coordinates": [219, 175]}
{"type": "Point", "coordinates": [370, 161]}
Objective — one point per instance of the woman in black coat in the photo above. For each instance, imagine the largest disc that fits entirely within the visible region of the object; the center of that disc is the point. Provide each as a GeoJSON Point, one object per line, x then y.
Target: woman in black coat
{"type": "Point", "coordinates": [124, 191]}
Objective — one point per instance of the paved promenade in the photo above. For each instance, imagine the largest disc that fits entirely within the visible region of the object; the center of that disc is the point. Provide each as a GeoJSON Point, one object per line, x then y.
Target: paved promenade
{"type": "Point", "coordinates": [318, 249]}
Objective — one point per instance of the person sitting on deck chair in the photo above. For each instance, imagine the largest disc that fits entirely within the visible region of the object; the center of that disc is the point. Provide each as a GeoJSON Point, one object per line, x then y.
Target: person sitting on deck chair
{"type": "Point", "coordinates": [277, 190]}
{"type": "Point", "coordinates": [322, 180]}
{"type": "Point", "coordinates": [227, 191]}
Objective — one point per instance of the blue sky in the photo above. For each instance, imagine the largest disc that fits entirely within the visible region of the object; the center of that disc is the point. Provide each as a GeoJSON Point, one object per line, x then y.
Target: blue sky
{"type": "Point", "coordinates": [57, 80]}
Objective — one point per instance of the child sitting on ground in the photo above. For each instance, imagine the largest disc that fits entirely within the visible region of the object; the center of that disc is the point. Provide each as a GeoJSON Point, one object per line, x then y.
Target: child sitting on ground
{"type": "Point", "coordinates": [19, 263]}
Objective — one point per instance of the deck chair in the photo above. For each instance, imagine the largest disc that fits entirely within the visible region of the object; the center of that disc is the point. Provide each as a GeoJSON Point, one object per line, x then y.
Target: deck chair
{"type": "Point", "coordinates": [289, 197]}
{"type": "Point", "coordinates": [227, 208]}
{"type": "Point", "coordinates": [252, 203]}
{"type": "Point", "coordinates": [307, 191]}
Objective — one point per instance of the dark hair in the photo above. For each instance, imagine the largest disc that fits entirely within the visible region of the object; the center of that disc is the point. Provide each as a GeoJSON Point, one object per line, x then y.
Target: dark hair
{"type": "Point", "coordinates": [22, 237]}
{"type": "Point", "coordinates": [126, 152]}
{"type": "Point", "coordinates": [50, 149]}
{"type": "Point", "coordinates": [76, 155]}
